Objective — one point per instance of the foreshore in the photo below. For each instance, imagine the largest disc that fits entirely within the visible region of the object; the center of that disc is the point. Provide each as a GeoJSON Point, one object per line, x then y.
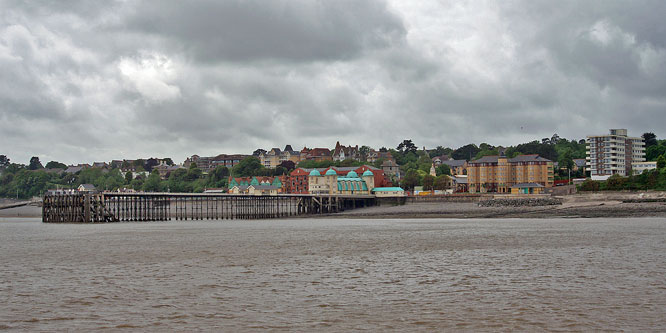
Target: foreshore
{"type": "Point", "coordinates": [468, 210]}
{"type": "Point", "coordinates": [589, 205]}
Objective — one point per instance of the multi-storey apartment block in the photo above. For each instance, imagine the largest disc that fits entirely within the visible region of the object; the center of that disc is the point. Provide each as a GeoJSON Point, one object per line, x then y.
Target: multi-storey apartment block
{"type": "Point", "coordinates": [499, 173]}
{"type": "Point", "coordinates": [607, 155]}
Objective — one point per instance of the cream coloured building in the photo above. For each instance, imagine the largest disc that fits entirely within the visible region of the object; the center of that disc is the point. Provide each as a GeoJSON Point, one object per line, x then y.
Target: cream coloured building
{"type": "Point", "coordinates": [331, 183]}
{"type": "Point", "coordinates": [611, 154]}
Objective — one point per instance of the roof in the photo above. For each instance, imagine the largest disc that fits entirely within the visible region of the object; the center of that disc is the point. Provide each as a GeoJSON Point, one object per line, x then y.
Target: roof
{"type": "Point", "coordinates": [454, 163]}
{"type": "Point", "coordinates": [519, 158]}
{"type": "Point", "coordinates": [73, 169]}
{"type": "Point", "coordinates": [460, 179]}
{"type": "Point", "coordinates": [388, 163]}
{"type": "Point", "coordinates": [527, 185]}
{"type": "Point", "coordinates": [529, 158]}
{"type": "Point", "coordinates": [486, 159]}
{"type": "Point", "coordinates": [265, 187]}
{"type": "Point", "coordinates": [367, 173]}
{"type": "Point", "coordinates": [314, 172]}
{"type": "Point", "coordinates": [579, 161]}
{"type": "Point", "coordinates": [87, 187]}
{"type": "Point", "coordinates": [331, 172]}
{"type": "Point", "coordinates": [352, 174]}
{"type": "Point", "coordinates": [387, 189]}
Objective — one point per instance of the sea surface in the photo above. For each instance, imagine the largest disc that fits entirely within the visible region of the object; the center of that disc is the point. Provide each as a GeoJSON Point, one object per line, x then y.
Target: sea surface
{"type": "Point", "coordinates": [335, 275]}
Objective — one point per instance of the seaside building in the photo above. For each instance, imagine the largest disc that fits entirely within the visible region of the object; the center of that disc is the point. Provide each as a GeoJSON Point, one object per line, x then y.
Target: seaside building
{"type": "Point", "coordinates": [208, 164]}
{"type": "Point", "coordinates": [391, 169]}
{"type": "Point", "coordinates": [275, 156]}
{"type": "Point", "coordinates": [301, 179]}
{"type": "Point", "coordinates": [316, 154]}
{"type": "Point", "coordinates": [342, 153]}
{"type": "Point", "coordinates": [257, 186]}
{"type": "Point", "coordinates": [166, 170]}
{"type": "Point", "coordinates": [388, 192]}
{"type": "Point", "coordinates": [579, 164]}
{"type": "Point", "coordinates": [374, 155]}
{"type": "Point", "coordinates": [331, 183]}
{"type": "Point", "coordinates": [499, 173]}
{"type": "Point", "coordinates": [612, 154]}
{"type": "Point", "coordinates": [640, 167]}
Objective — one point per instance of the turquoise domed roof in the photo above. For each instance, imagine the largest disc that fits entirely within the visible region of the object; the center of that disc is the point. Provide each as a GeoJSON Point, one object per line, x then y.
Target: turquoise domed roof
{"type": "Point", "coordinates": [315, 173]}
{"type": "Point", "coordinates": [331, 172]}
{"type": "Point", "coordinates": [367, 173]}
{"type": "Point", "coordinates": [352, 174]}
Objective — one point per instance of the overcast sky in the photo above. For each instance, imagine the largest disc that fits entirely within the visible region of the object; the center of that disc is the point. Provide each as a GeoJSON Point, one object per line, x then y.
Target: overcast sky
{"type": "Point", "coordinates": [84, 81]}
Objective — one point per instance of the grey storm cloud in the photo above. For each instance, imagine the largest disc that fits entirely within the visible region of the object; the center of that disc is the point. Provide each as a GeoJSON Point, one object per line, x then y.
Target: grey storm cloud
{"type": "Point", "coordinates": [87, 81]}
{"type": "Point", "coordinates": [214, 31]}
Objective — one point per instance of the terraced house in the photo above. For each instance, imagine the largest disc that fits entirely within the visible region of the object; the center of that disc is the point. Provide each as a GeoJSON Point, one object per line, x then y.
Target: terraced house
{"type": "Point", "coordinates": [499, 174]}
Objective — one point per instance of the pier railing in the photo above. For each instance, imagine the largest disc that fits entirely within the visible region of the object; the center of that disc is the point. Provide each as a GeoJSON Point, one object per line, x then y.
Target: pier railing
{"type": "Point", "coordinates": [115, 207]}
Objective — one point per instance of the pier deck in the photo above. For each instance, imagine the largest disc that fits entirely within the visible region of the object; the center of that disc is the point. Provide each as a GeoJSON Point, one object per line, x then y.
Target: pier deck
{"type": "Point", "coordinates": [115, 207]}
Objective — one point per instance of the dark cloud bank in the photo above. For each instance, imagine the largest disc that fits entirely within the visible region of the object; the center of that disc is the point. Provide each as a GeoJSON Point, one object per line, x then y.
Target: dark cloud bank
{"type": "Point", "coordinates": [96, 80]}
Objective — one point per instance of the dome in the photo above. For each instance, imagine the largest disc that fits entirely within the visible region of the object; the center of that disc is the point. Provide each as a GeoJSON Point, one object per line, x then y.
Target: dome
{"type": "Point", "coordinates": [331, 172]}
{"type": "Point", "coordinates": [368, 173]}
{"type": "Point", "coordinates": [315, 173]}
{"type": "Point", "coordinates": [352, 174]}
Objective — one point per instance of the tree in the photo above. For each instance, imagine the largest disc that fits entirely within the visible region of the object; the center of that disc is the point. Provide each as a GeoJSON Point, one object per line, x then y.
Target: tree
{"type": "Point", "coordinates": [128, 177]}
{"type": "Point", "coordinates": [168, 161]}
{"type": "Point", "coordinates": [443, 169]}
{"type": "Point", "coordinates": [615, 182]}
{"type": "Point", "coordinates": [152, 184]}
{"type": "Point", "coordinates": [289, 165]}
{"type": "Point", "coordinates": [428, 182]}
{"type": "Point", "coordinates": [653, 152]}
{"type": "Point", "coordinates": [440, 151]}
{"type": "Point", "coordinates": [465, 152]}
{"type": "Point", "coordinates": [650, 139]}
{"type": "Point", "coordinates": [383, 149]}
{"type": "Point", "coordinates": [661, 162]}
{"type": "Point", "coordinates": [280, 171]}
{"type": "Point", "coordinates": [35, 163]}
{"type": "Point", "coordinates": [411, 179]}
{"type": "Point", "coordinates": [442, 182]}
{"type": "Point", "coordinates": [193, 173]}
{"type": "Point", "coordinates": [150, 164]}
{"type": "Point", "coordinates": [364, 150]}
{"type": "Point", "coordinates": [248, 167]}
{"type": "Point", "coordinates": [565, 161]}
{"type": "Point", "coordinates": [406, 146]}
{"type": "Point", "coordinates": [4, 161]}
{"type": "Point", "coordinates": [56, 165]}
{"type": "Point", "coordinates": [589, 185]}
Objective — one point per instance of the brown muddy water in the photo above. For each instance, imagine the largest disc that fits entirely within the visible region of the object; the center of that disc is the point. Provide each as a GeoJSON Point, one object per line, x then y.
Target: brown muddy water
{"type": "Point", "coordinates": [335, 275]}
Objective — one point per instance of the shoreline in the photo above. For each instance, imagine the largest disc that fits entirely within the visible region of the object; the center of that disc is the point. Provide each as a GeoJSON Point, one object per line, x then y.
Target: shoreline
{"type": "Point", "coordinates": [472, 211]}
{"type": "Point", "coordinates": [576, 206]}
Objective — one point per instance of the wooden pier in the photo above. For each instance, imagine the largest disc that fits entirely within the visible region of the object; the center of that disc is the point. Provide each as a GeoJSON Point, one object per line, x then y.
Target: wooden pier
{"type": "Point", "coordinates": [116, 207]}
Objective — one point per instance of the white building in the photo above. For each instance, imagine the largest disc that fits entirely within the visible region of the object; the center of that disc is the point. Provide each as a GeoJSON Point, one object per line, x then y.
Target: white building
{"type": "Point", "coordinates": [640, 167]}
{"type": "Point", "coordinates": [614, 153]}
